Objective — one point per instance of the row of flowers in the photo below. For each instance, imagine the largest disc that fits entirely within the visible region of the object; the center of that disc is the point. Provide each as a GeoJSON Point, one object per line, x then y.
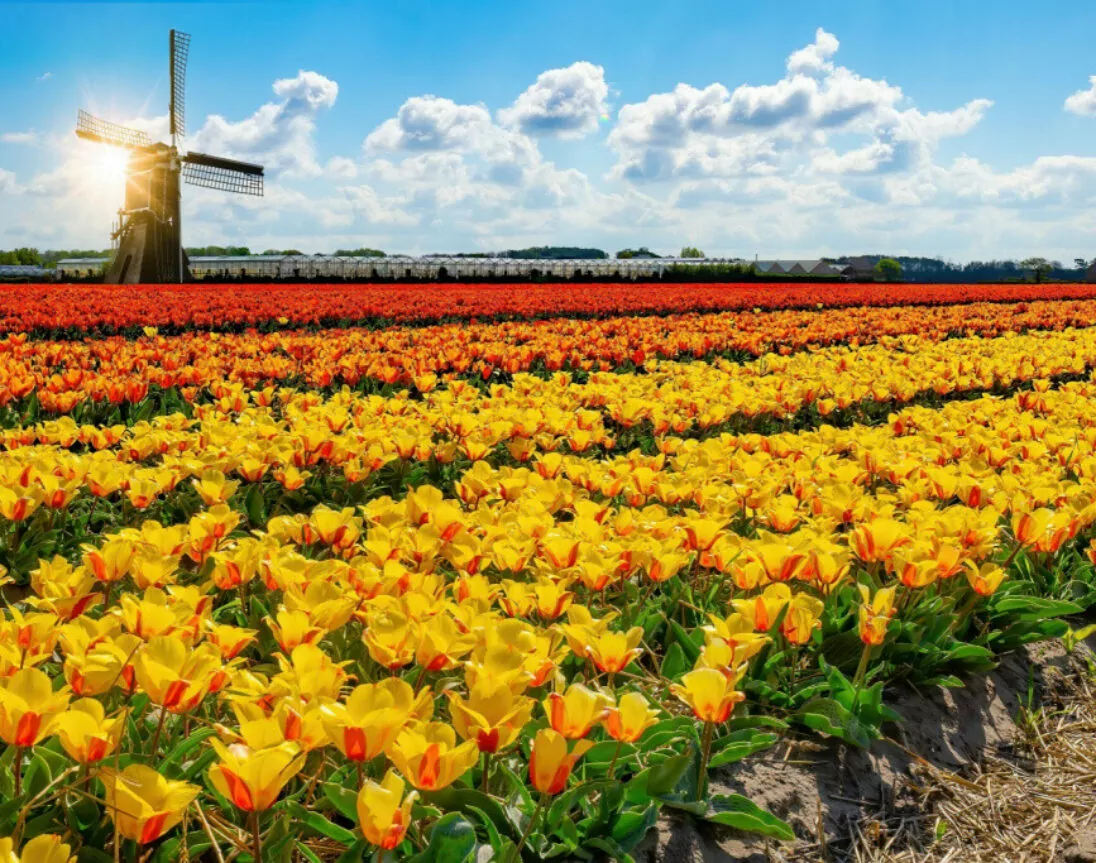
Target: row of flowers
{"type": "Point", "coordinates": [55, 308]}
{"type": "Point", "coordinates": [115, 370]}
{"type": "Point", "coordinates": [543, 636]}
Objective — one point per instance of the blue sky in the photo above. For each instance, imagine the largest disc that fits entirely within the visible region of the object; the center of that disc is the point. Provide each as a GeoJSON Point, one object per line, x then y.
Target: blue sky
{"type": "Point", "coordinates": [799, 128]}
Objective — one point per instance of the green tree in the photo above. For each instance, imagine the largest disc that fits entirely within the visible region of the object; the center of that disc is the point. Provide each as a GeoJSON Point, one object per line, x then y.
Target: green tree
{"type": "Point", "coordinates": [692, 252]}
{"type": "Point", "coordinates": [641, 252]}
{"type": "Point", "coordinates": [889, 270]}
{"type": "Point", "coordinates": [1038, 267]}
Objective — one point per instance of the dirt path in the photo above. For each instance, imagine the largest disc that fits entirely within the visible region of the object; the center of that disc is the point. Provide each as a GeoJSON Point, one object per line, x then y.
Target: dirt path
{"type": "Point", "coordinates": [1003, 770]}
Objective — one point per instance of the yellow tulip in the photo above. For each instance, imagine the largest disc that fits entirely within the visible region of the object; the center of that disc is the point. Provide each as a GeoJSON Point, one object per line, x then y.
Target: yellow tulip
{"type": "Point", "coordinates": [493, 716]}
{"type": "Point", "coordinates": [631, 716]}
{"type": "Point", "coordinates": [174, 676]}
{"type": "Point", "coordinates": [29, 707]}
{"type": "Point", "coordinates": [252, 774]}
{"type": "Point", "coordinates": [143, 804]}
{"type": "Point", "coordinates": [429, 756]}
{"type": "Point", "coordinates": [710, 693]}
{"type": "Point", "coordinates": [875, 614]}
{"type": "Point", "coordinates": [384, 813]}
{"type": "Point", "coordinates": [550, 764]}
{"type": "Point", "coordinates": [86, 733]}
{"type": "Point", "coordinates": [576, 711]}
{"type": "Point", "coordinates": [374, 713]}
{"type": "Point", "coordinates": [612, 651]}
{"type": "Point", "coordinates": [47, 848]}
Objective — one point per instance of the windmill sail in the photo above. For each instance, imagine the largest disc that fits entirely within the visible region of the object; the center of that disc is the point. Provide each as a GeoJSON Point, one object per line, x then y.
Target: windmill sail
{"type": "Point", "coordinates": [228, 175]}
{"type": "Point", "coordinates": [104, 132]}
{"type": "Point", "coordinates": [180, 50]}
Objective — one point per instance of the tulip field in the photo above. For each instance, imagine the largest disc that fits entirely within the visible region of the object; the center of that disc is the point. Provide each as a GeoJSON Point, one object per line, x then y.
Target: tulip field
{"type": "Point", "coordinates": [458, 572]}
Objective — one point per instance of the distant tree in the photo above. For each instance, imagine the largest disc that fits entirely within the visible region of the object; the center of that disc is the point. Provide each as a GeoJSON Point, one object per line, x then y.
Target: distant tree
{"type": "Point", "coordinates": [554, 253]}
{"type": "Point", "coordinates": [360, 253]}
{"type": "Point", "coordinates": [1080, 264]}
{"type": "Point", "coordinates": [889, 270]}
{"type": "Point", "coordinates": [641, 252]}
{"type": "Point", "coordinates": [1038, 267]}
{"type": "Point", "coordinates": [692, 252]}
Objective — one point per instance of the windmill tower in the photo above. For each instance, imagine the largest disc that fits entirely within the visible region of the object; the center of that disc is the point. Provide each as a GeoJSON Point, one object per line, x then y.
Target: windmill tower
{"type": "Point", "coordinates": [149, 229]}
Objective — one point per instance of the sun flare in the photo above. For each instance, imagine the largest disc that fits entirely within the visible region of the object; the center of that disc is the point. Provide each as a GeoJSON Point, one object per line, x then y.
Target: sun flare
{"type": "Point", "coordinates": [106, 170]}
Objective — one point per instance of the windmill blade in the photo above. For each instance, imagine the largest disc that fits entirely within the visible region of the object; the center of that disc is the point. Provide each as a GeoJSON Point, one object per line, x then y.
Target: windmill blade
{"type": "Point", "coordinates": [93, 129]}
{"type": "Point", "coordinates": [228, 175]}
{"type": "Point", "coordinates": [180, 50]}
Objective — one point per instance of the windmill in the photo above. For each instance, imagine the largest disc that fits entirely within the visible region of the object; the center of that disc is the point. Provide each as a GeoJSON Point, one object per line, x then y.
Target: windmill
{"type": "Point", "coordinates": [149, 229]}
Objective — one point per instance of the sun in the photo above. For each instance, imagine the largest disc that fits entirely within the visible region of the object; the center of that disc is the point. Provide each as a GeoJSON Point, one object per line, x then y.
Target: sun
{"type": "Point", "coordinates": [106, 169]}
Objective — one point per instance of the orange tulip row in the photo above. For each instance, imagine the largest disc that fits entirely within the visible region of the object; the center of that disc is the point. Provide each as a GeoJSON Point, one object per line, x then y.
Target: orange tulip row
{"type": "Point", "coordinates": [116, 370]}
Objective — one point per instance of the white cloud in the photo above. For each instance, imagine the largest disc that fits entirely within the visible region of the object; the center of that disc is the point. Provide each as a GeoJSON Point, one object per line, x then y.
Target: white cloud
{"type": "Point", "coordinates": [45, 76]}
{"type": "Point", "coordinates": [564, 103]}
{"type": "Point", "coordinates": [815, 57]}
{"type": "Point", "coordinates": [341, 168]}
{"type": "Point", "coordinates": [30, 137]}
{"type": "Point", "coordinates": [1083, 102]}
{"type": "Point", "coordinates": [279, 135]}
{"type": "Point", "coordinates": [7, 182]}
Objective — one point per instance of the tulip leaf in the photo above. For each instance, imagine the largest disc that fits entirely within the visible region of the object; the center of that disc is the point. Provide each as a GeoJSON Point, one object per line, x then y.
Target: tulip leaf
{"type": "Point", "coordinates": [469, 800]}
{"type": "Point", "coordinates": [632, 825]}
{"type": "Point", "coordinates": [829, 717]}
{"type": "Point", "coordinates": [307, 853]}
{"type": "Point", "coordinates": [664, 777]}
{"type": "Point", "coordinates": [734, 810]}
{"type": "Point", "coordinates": [1036, 607]}
{"type": "Point", "coordinates": [343, 799]}
{"type": "Point", "coordinates": [738, 745]}
{"type": "Point", "coordinates": [317, 822]}
{"type": "Point", "coordinates": [452, 840]}
{"type": "Point", "coordinates": [192, 742]}
{"type": "Point", "coordinates": [88, 854]}
{"type": "Point", "coordinates": [687, 642]}
{"type": "Point", "coordinates": [674, 664]}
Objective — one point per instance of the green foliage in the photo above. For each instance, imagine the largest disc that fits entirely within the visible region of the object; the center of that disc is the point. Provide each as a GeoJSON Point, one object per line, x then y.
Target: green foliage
{"type": "Point", "coordinates": [641, 252]}
{"type": "Point", "coordinates": [218, 251]}
{"type": "Point", "coordinates": [360, 253]}
{"type": "Point", "coordinates": [555, 253]}
{"type": "Point", "coordinates": [691, 252]}
{"type": "Point", "coordinates": [889, 270]}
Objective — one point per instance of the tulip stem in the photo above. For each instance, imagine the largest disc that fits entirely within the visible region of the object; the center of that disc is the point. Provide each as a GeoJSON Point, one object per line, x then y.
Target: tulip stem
{"type": "Point", "coordinates": [705, 755]}
{"type": "Point", "coordinates": [862, 668]}
{"type": "Point", "coordinates": [159, 729]}
{"type": "Point", "coordinates": [361, 774]}
{"type": "Point", "coordinates": [257, 842]}
{"type": "Point", "coordinates": [528, 829]}
{"type": "Point", "coordinates": [486, 783]}
{"type": "Point", "coordinates": [18, 767]}
{"type": "Point", "coordinates": [616, 755]}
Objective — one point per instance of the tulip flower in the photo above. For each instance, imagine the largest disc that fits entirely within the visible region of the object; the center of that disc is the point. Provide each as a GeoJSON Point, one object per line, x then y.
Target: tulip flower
{"type": "Point", "coordinates": [29, 707]}
{"type": "Point", "coordinates": [143, 804]}
{"type": "Point", "coordinates": [384, 813]}
{"type": "Point", "coordinates": [374, 713]}
{"type": "Point", "coordinates": [613, 651]}
{"type": "Point", "coordinates": [711, 694]}
{"type": "Point", "coordinates": [429, 756]}
{"type": "Point", "coordinates": [576, 711]}
{"type": "Point", "coordinates": [493, 716]}
{"type": "Point", "coordinates": [984, 579]}
{"type": "Point", "coordinates": [46, 848]}
{"type": "Point", "coordinates": [631, 716]}
{"type": "Point", "coordinates": [550, 764]}
{"type": "Point", "coordinates": [875, 614]}
{"type": "Point", "coordinates": [253, 773]}
{"type": "Point", "coordinates": [85, 732]}
{"type": "Point", "coordinates": [174, 676]}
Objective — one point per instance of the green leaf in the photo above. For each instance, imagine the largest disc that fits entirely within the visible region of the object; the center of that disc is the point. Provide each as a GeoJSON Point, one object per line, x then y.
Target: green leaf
{"type": "Point", "coordinates": [343, 799]}
{"type": "Point", "coordinates": [632, 826]}
{"type": "Point", "coordinates": [179, 753]}
{"type": "Point", "coordinates": [829, 717]}
{"type": "Point", "coordinates": [1036, 607]}
{"type": "Point", "coordinates": [663, 777]}
{"type": "Point", "coordinates": [452, 840]}
{"type": "Point", "coordinates": [734, 810]}
{"type": "Point", "coordinates": [470, 801]}
{"type": "Point", "coordinates": [315, 821]}
{"type": "Point", "coordinates": [740, 744]}
{"type": "Point", "coordinates": [688, 645]}
{"type": "Point", "coordinates": [674, 664]}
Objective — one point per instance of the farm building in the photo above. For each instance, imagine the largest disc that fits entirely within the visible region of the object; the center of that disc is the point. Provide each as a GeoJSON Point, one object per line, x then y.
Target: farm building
{"type": "Point", "coordinates": [80, 268]}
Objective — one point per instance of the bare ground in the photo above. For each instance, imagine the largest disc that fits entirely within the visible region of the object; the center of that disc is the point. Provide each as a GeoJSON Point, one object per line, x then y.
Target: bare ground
{"type": "Point", "coordinates": [1002, 770]}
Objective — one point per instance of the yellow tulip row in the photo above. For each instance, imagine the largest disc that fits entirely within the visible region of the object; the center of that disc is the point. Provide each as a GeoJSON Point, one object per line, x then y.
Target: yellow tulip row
{"type": "Point", "coordinates": [484, 599]}
{"type": "Point", "coordinates": [289, 433]}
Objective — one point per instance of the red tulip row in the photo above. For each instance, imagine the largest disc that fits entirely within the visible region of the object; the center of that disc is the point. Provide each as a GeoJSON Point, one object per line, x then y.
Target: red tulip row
{"type": "Point", "coordinates": [57, 307]}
